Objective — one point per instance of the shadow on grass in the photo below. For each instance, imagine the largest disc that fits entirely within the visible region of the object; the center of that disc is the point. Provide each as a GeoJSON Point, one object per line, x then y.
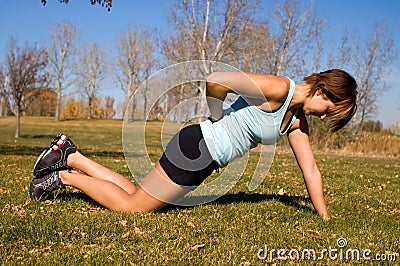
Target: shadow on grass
{"type": "Point", "coordinates": [21, 150]}
{"type": "Point", "coordinates": [69, 195]}
{"type": "Point", "coordinates": [243, 197]}
{"type": "Point", "coordinates": [40, 136]}
{"type": "Point", "coordinates": [237, 198]}
{"type": "Point", "coordinates": [294, 201]}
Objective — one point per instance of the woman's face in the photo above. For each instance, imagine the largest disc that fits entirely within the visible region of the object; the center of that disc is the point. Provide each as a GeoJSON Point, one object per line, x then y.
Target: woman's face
{"type": "Point", "coordinates": [318, 105]}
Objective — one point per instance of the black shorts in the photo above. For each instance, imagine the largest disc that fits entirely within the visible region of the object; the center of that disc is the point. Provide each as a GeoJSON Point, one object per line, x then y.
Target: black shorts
{"type": "Point", "coordinates": [186, 160]}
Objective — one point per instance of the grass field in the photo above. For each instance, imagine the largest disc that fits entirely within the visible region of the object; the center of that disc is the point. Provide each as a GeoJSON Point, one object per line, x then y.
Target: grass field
{"type": "Point", "coordinates": [241, 228]}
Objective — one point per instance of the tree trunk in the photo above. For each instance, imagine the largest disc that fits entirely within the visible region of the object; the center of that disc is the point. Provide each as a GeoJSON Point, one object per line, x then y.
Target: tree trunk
{"type": "Point", "coordinates": [18, 124]}
{"type": "Point", "coordinates": [131, 106]}
{"type": "Point", "coordinates": [58, 106]}
{"type": "Point", "coordinates": [90, 111]}
{"type": "Point", "coordinates": [145, 102]}
{"type": "Point", "coordinates": [3, 99]}
{"type": "Point", "coordinates": [145, 107]}
{"type": "Point", "coordinates": [180, 109]}
{"type": "Point", "coordinates": [1, 105]}
{"type": "Point", "coordinates": [166, 106]}
{"type": "Point", "coordinates": [202, 103]}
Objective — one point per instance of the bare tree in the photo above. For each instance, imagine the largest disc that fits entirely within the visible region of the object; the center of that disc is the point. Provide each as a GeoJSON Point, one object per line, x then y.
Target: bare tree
{"type": "Point", "coordinates": [296, 32]}
{"type": "Point", "coordinates": [135, 61]}
{"type": "Point", "coordinates": [176, 48]}
{"type": "Point", "coordinates": [26, 73]}
{"type": "Point", "coordinates": [149, 63]}
{"type": "Point", "coordinates": [209, 29]}
{"type": "Point", "coordinates": [372, 59]}
{"type": "Point", "coordinates": [90, 71]}
{"type": "Point", "coordinates": [249, 53]}
{"type": "Point", "coordinates": [340, 57]}
{"type": "Point", "coordinates": [109, 111]}
{"type": "Point", "coordinates": [212, 27]}
{"type": "Point", "coordinates": [60, 52]}
{"type": "Point", "coordinates": [3, 86]}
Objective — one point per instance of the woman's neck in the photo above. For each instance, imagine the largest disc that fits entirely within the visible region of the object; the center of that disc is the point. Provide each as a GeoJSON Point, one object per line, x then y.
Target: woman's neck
{"type": "Point", "coordinates": [300, 96]}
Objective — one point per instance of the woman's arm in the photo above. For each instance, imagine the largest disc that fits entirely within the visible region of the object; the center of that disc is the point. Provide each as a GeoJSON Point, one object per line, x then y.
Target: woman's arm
{"type": "Point", "coordinates": [300, 144]}
{"type": "Point", "coordinates": [255, 86]}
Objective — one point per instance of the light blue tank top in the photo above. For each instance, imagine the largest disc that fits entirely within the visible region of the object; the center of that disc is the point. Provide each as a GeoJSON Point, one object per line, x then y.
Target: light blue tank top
{"type": "Point", "coordinates": [243, 129]}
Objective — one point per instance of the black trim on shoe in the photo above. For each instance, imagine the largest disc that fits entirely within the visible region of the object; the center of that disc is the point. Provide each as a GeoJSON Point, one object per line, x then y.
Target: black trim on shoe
{"type": "Point", "coordinates": [41, 187]}
{"type": "Point", "coordinates": [54, 159]}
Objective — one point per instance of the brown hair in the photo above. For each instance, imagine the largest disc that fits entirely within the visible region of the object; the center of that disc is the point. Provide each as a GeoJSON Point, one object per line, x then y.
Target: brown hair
{"type": "Point", "coordinates": [341, 89]}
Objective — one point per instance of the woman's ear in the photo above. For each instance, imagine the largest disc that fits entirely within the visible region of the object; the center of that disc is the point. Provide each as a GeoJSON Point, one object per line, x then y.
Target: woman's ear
{"type": "Point", "coordinates": [320, 92]}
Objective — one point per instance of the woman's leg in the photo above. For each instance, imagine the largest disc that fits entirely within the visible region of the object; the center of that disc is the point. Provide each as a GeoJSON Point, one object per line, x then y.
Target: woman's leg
{"type": "Point", "coordinates": [98, 171]}
{"type": "Point", "coordinates": [155, 191]}
{"type": "Point", "coordinates": [103, 185]}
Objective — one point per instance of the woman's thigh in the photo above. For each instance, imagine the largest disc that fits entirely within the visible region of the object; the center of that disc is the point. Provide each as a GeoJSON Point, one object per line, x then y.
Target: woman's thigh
{"type": "Point", "coordinates": [156, 190]}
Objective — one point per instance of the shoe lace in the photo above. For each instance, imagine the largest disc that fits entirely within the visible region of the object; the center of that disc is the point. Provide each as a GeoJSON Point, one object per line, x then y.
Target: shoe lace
{"type": "Point", "coordinates": [56, 186]}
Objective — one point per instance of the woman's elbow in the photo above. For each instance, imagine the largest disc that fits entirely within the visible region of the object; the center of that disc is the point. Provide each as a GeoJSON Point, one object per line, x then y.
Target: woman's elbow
{"type": "Point", "coordinates": [215, 84]}
{"type": "Point", "coordinates": [311, 171]}
{"type": "Point", "coordinates": [214, 77]}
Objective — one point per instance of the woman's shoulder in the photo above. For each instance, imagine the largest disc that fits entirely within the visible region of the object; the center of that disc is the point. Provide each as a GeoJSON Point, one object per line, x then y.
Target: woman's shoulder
{"type": "Point", "coordinates": [276, 89]}
{"type": "Point", "coordinates": [283, 87]}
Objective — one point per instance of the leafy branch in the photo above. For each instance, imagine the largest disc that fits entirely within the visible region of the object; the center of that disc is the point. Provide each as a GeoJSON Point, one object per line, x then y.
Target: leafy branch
{"type": "Point", "coordinates": [104, 3]}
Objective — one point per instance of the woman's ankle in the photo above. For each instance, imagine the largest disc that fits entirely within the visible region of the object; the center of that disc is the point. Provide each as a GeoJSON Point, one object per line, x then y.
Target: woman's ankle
{"type": "Point", "coordinates": [72, 158]}
{"type": "Point", "coordinates": [64, 176]}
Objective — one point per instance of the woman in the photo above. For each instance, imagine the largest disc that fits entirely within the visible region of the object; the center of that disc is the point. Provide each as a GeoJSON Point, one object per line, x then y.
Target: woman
{"type": "Point", "coordinates": [195, 151]}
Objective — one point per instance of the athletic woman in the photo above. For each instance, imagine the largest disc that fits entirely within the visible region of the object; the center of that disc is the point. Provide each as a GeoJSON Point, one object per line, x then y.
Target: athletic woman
{"type": "Point", "coordinates": [195, 151]}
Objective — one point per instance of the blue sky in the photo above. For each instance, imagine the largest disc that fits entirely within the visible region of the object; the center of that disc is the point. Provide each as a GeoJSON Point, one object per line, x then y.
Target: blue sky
{"type": "Point", "coordinates": [30, 22]}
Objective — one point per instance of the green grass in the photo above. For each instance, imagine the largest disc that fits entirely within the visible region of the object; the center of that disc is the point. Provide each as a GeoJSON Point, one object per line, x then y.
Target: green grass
{"type": "Point", "coordinates": [362, 194]}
